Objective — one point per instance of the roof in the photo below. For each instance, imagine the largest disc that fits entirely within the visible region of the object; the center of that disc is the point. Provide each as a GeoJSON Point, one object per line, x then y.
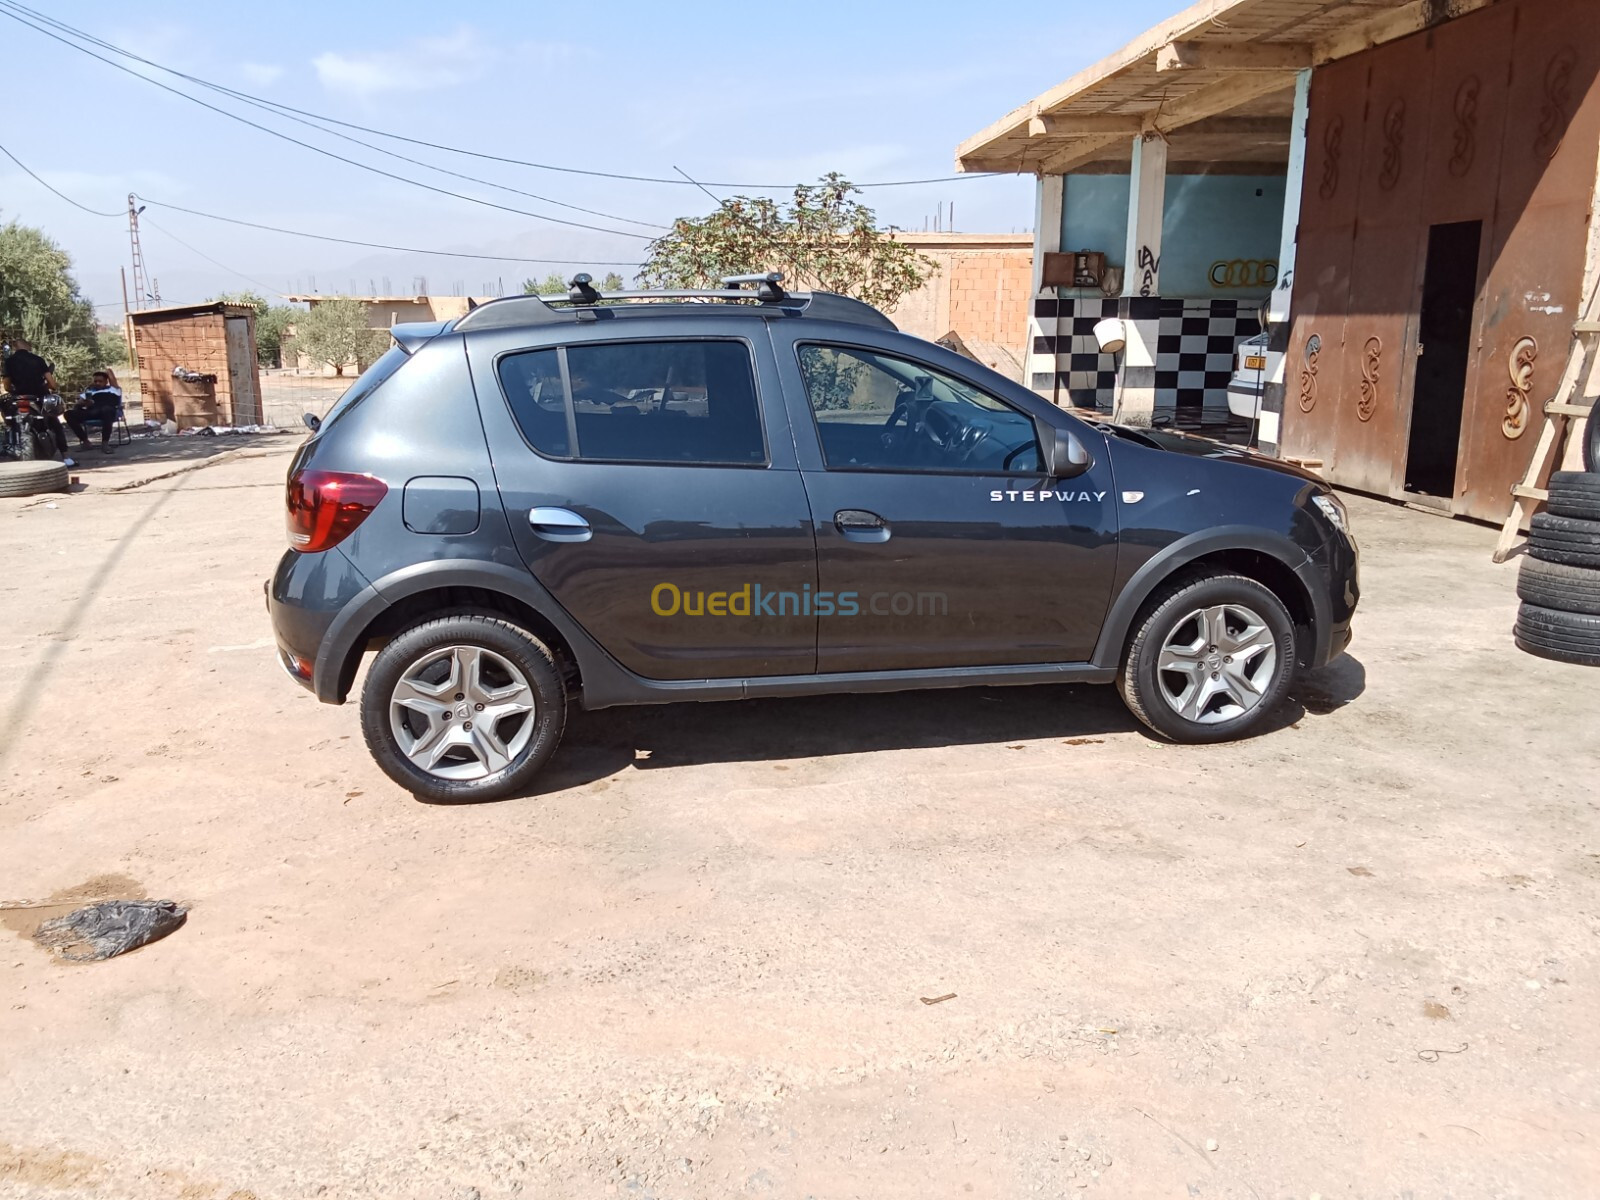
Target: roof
{"type": "Point", "coordinates": [194, 310]}
{"type": "Point", "coordinates": [1217, 80]}
{"type": "Point", "coordinates": [512, 312]}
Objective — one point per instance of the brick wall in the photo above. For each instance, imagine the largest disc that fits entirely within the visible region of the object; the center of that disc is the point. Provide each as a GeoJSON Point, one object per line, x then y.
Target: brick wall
{"type": "Point", "coordinates": [981, 293]}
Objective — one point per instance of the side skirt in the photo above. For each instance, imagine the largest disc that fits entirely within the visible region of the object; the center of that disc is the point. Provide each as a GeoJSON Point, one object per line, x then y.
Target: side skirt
{"type": "Point", "coordinates": [638, 690]}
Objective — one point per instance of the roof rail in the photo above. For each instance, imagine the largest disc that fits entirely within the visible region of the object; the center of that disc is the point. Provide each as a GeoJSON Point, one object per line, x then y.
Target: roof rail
{"type": "Point", "coordinates": [584, 303]}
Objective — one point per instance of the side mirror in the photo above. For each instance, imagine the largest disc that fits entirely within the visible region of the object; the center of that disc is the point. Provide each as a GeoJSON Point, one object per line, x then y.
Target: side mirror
{"type": "Point", "coordinates": [313, 422]}
{"type": "Point", "coordinates": [1064, 455]}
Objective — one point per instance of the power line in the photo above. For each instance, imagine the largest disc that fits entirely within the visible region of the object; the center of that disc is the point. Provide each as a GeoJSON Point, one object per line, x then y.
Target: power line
{"type": "Point", "coordinates": [278, 111]}
{"type": "Point", "coordinates": [320, 237]}
{"type": "Point", "coordinates": [92, 211]}
{"type": "Point", "coordinates": [285, 109]}
{"type": "Point", "coordinates": [314, 148]}
{"type": "Point", "coordinates": [323, 237]}
{"type": "Point", "coordinates": [212, 261]}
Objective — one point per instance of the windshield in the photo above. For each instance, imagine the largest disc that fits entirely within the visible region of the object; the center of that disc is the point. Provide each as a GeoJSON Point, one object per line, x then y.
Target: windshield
{"type": "Point", "coordinates": [365, 385]}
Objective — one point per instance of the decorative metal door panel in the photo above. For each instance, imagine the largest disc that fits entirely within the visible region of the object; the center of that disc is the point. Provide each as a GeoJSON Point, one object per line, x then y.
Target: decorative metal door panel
{"type": "Point", "coordinates": [1535, 259]}
{"type": "Point", "coordinates": [1380, 323]}
{"type": "Point", "coordinates": [1471, 61]}
{"type": "Point", "coordinates": [1313, 363]}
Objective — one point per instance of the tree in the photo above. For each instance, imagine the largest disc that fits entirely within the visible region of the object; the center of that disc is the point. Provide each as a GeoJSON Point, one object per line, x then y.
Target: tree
{"type": "Point", "coordinates": [611, 283]}
{"type": "Point", "coordinates": [548, 286]}
{"type": "Point", "coordinates": [39, 301]}
{"type": "Point", "coordinates": [336, 332]}
{"type": "Point", "coordinates": [822, 240]}
{"type": "Point", "coordinates": [271, 321]}
{"type": "Point", "coordinates": [111, 349]}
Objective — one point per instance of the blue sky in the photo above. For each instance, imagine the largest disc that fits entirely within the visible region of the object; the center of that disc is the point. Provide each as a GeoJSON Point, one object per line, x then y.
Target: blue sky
{"type": "Point", "coordinates": [752, 92]}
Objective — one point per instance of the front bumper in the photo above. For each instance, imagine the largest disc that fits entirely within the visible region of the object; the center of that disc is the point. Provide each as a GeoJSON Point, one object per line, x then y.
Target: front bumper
{"type": "Point", "coordinates": [1333, 578]}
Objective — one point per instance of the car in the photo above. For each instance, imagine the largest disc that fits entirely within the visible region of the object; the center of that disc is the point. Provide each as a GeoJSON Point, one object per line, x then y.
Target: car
{"type": "Point", "coordinates": [644, 498]}
{"type": "Point", "coordinates": [1252, 371]}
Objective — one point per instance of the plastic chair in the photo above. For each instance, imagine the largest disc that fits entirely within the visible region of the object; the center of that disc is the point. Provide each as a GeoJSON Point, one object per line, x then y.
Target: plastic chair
{"type": "Point", "coordinates": [121, 425]}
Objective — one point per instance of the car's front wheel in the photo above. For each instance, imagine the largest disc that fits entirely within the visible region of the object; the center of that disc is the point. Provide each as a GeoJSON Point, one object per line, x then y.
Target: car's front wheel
{"type": "Point", "coordinates": [463, 707]}
{"type": "Point", "coordinates": [1210, 659]}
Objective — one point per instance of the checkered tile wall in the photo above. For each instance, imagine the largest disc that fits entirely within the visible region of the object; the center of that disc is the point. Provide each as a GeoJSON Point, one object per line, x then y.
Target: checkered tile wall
{"type": "Point", "coordinates": [1194, 340]}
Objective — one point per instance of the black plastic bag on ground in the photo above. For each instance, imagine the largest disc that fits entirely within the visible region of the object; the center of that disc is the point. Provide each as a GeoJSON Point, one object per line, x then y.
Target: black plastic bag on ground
{"type": "Point", "coordinates": [109, 928]}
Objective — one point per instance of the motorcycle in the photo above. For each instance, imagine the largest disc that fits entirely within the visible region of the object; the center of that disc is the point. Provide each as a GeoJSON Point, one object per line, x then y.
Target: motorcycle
{"type": "Point", "coordinates": [31, 424]}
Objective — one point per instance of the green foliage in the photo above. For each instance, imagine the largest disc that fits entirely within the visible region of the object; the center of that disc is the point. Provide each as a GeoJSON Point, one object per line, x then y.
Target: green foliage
{"type": "Point", "coordinates": [111, 349]}
{"type": "Point", "coordinates": [823, 240]}
{"type": "Point", "coordinates": [271, 321]}
{"type": "Point", "coordinates": [556, 283]}
{"type": "Point", "coordinates": [336, 332]}
{"type": "Point", "coordinates": [39, 301]}
{"type": "Point", "coordinates": [548, 286]}
{"type": "Point", "coordinates": [831, 377]}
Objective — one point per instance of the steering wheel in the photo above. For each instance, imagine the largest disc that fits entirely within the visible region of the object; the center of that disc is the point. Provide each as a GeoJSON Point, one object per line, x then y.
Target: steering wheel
{"type": "Point", "coordinates": [966, 443]}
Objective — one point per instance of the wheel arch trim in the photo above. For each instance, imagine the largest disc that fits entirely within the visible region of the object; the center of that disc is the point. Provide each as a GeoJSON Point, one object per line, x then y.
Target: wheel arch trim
{"type": "Point", "coordinates": [1172, 558]}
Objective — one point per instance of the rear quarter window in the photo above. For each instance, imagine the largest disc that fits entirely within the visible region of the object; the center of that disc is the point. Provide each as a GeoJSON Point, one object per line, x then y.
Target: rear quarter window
{"type": "Point", "coordinates": [368, 382]}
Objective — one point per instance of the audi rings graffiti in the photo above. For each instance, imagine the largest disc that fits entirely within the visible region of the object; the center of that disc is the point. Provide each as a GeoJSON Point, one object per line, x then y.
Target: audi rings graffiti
{"type": "Point", "coordinates": [1243, 273]}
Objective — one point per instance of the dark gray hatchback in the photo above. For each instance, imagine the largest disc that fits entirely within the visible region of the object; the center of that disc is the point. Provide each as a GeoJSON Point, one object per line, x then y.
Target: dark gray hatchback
{"type": "Point", "coordinates": [652, 497]}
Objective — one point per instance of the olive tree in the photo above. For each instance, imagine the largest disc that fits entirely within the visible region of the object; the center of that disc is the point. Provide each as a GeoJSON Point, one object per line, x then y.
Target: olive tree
{"type": "Point", "coordinates": [822, 239]}
{"type": "Point", "coordinates": [336, 332]}
{"type": "Point", "coordinates": [39, 301]}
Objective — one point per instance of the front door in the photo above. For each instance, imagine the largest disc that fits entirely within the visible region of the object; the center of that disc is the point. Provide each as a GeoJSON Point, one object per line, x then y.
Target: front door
{"type": "Point", "coordinates": [651, 487]}
{"type": "Point", "coordinates": [1444, 345]}
{"type": "Point", "coordinates": [940, 543]}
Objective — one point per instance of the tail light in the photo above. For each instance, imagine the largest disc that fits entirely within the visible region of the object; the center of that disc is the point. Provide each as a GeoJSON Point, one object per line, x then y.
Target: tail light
{"type": "Point", "coordinates": [326, 506]}
{"type": "Point", "coordinates": [24, 406]}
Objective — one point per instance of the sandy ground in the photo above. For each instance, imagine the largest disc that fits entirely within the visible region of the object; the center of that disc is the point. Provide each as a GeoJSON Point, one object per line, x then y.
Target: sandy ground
{"type": "Point", "coordinates": [1357, 954]}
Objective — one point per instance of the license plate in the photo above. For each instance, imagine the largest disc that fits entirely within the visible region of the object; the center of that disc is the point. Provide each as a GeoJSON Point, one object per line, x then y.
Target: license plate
{"type": "Point", "coordinates": [1255, 362]}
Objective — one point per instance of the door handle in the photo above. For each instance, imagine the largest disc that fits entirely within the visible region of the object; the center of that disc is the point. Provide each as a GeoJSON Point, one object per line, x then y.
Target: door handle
{"type": "Point", "coordinates": [859, 525]}
{"type": "Point", "coordinates": [559, 525]}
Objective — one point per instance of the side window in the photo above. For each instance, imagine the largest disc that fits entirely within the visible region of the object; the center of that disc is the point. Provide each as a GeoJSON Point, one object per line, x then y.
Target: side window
{"type": "Point", "coordinates": [666, 402]}
{"type": "Point", "coordinates": [532, 383]}
{"type": "Point", "coordinates": [877, 412]}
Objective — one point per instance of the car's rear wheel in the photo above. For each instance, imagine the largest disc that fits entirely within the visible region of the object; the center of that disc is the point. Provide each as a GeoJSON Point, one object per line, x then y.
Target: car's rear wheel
{"type": "Point", "coordinates": [1210, 660]}
{"type": "Point", "coordinates": [463, 707]}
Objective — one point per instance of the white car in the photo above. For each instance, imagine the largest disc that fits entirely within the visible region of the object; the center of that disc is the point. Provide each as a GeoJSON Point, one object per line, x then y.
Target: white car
{"type": "Point", "coordinates": [1254, 366]}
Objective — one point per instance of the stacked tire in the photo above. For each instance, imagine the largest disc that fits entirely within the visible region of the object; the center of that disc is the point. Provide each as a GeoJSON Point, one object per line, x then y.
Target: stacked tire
{"type": "Point", "coordinates": [1559, 583]}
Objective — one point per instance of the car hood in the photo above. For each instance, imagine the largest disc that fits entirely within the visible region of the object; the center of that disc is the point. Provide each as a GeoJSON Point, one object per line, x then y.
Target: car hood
{"type": "Point", "coordinates": [1201, 447]}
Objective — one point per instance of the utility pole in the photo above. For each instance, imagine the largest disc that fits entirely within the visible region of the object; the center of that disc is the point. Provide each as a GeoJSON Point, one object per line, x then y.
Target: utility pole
{"type": "Point", "coordinates": [141, 289]}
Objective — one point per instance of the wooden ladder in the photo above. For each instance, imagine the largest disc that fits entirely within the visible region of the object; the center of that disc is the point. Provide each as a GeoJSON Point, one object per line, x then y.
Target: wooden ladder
{"type": "Point", "coordinates": [1567, 404]}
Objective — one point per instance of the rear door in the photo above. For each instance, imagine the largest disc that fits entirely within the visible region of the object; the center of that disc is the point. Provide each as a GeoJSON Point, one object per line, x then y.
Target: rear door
{"type": "Point", "coordinates": [652, 488]}
{"type": "Point", "coordinates": [940, 542]}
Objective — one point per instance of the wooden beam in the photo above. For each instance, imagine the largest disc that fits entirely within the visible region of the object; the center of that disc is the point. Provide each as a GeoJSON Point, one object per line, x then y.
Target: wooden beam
{"type": "Point", "coordinates": [1218, 98]}
{"type": "Point", "coordinates": [988, 166]}
{"type": "Point", "coordinates": [1084, 150]}
{"type": "Point", "coordinates": [1232, 56]}
{"type": "Point", "coordinates": [1090, 123]}
{"type": "Point", "coordinates": [1396, 23]}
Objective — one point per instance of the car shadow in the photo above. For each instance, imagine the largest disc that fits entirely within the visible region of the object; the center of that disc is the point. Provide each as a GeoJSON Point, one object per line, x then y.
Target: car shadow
{"type": "Point", "coordinates": [599, 745]}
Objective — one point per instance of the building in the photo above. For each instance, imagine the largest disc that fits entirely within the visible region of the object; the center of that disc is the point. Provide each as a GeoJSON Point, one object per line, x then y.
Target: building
{"type": "Point", "coordinates": [197, 364]}
{"type": "Point", "coordinates": [1409, 187]}
{"type": "Point", "coordinates": [976, 300]}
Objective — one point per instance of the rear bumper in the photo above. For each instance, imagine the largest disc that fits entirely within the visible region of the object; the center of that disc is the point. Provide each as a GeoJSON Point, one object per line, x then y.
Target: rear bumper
{"type": "Point", "coordinates": [305, 597]}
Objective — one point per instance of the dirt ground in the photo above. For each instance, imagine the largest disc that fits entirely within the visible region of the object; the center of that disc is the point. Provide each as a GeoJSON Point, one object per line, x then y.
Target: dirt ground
{"type": "Point", "coordinates": [1353, 957]}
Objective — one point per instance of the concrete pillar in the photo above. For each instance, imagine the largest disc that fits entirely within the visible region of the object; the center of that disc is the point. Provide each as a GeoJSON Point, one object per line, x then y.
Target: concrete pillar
{"type": "Point", "coordinates": [1040, 367]}
{"type": "Point", "coordinates": [1269, 434]}
{"type": "Point", "coordinates": [1147, 193]}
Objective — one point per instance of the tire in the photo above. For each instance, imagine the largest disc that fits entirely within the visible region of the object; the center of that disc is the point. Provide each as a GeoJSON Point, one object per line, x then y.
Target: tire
{"type": "Point", "coordinates": [1574, 494]}
{"type": "Point", "coordinates": [26, 478]}
{"type": "Point", "coordinates": [1591, 441]}
{"type": "Point", "coordinates": [1564, 540]}
{"type": "Point", "coordinates": [1563, 636]}
{"type": "Point", "coordinates": [1176, 621]}
{"type": "Point", "coordinates": [1558, 586]}
{"type": "Point", "coordinates": [408, 694]}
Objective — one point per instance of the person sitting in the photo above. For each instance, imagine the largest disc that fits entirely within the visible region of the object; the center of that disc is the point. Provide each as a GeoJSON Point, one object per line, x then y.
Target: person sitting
{"type": "Point", "coordinates": [101, 402]}
{"type": "Point", "coordinates": [26, 374]}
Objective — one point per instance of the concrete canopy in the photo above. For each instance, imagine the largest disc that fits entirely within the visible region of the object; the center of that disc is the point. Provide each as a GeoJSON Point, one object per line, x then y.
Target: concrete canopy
{"type": "Point", "coordinates": [1216, 80]}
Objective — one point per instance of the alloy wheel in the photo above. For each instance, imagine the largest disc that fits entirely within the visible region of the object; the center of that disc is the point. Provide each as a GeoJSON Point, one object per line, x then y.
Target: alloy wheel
{"type": "Point", "coordinates": [462, 712]}
{"type": "Point", "coordinates": [1217, 663]}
